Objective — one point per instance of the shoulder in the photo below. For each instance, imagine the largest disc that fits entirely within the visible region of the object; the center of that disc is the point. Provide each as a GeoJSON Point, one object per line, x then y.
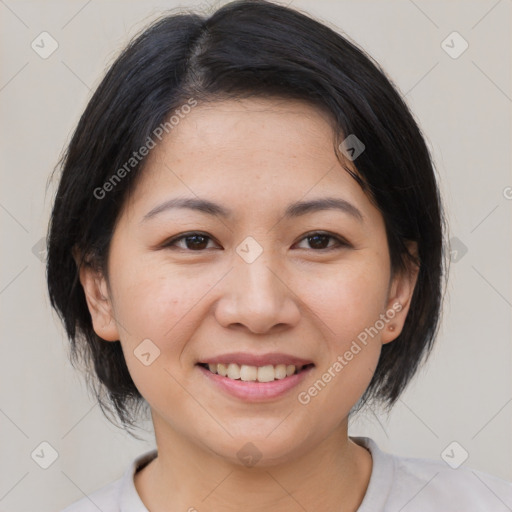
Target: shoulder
{"type": "Point", "coordinates": [106, 498]}
{"type": "Point", "coordinates": [439, 486]}
{"type": "Point", "coordinates": [425, 485]}
{"type": "Point", "coordinates": [120, 495]}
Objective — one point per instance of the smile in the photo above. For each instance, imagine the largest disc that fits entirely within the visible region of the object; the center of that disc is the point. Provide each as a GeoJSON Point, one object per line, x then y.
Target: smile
{"type": "Point", "coordinates": [247, 373]}
{"type": "Point", "coordinates": [251, 383]}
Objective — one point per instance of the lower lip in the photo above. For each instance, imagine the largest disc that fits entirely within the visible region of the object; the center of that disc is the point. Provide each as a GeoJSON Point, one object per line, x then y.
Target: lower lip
{"type": "Point", "coordinates": [253, 391]}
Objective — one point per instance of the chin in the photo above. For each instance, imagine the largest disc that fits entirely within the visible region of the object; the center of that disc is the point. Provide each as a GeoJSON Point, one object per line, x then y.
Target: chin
{"type": "Point", "coordinates": [261, 449]}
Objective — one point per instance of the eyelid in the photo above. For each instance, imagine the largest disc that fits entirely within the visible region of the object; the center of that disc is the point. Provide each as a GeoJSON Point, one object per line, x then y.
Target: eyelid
{"type": "Point", "coordinates": [170, 241]}
{"type": "Point", "coordinates": [340, 240]}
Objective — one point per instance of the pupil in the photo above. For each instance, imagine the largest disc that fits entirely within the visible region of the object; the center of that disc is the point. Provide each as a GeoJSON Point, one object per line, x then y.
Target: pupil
{"type": "Point", "coordinates": [315, 245]}
{"type": "Point", "coordinates": [196, 244]}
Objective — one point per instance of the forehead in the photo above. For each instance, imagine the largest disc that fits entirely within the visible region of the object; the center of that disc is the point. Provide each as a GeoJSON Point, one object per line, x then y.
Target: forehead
{"type": "Point", "coordinates": [248, 154]}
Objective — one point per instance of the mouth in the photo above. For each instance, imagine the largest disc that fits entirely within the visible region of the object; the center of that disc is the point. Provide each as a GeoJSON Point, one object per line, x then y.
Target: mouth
{"type": "Point", "coordinates": [249, 373]}
{"type": "Point", "coordinates": [255, 379]}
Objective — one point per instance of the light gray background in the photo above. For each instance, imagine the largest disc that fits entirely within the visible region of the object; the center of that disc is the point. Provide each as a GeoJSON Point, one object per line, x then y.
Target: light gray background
{"type": "Point", "coordinates": [463, 106]}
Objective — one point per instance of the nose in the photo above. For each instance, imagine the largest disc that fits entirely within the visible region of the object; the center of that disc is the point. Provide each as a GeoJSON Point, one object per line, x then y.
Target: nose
{"type": "Point", "coordinates": [257, 297]}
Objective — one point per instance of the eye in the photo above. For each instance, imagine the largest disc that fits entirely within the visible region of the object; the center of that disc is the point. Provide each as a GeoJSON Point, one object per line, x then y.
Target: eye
{"type": "Point", "coordinates": [194, 241]}
{"type": "Point", "coordinates": [197, 241]}
{"type": "Point", "coordinates": [320, 241]}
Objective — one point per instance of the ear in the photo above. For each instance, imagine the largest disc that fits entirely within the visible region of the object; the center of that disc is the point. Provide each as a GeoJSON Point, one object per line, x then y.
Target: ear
{"type": "Point", "coordinates": [399, 298]}
{"type": "Point", "coordinates": [98, 300]}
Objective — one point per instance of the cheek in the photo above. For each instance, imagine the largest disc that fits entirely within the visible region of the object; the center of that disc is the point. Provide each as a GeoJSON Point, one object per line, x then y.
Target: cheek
{"type": "Point", "coordinates": [349, 304]}
{"type": "Point", "coordinates": [157, 310]}
{"type": "Point", "coordinates": [348, 299]}
{"type": "Point", "coordinates": [158, 313]}
{"type": "Point", "coordinates": [157, 300]}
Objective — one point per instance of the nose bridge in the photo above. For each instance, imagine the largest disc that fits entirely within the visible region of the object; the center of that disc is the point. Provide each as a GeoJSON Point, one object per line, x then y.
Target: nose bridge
{"type": "Point", "coordinates": [256, 295]}
{"type": "Point", "coordinates": [255, 279]}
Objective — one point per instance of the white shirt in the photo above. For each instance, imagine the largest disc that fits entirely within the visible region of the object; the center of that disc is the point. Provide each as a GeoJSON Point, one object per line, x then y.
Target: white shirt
{"type": "Point", "coordinates": [397, 484]}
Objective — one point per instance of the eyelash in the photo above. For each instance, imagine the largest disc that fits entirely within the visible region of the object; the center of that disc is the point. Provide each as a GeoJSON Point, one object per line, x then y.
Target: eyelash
{"type": "Point", "coordinates": [340, 242]}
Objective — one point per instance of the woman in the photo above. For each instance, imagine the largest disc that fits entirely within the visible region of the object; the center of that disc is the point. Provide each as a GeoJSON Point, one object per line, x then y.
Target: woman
{"type": "Point", "coordinates": [248, 239]}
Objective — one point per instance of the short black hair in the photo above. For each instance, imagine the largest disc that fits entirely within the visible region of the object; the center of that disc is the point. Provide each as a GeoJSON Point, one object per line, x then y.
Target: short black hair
{"type": "Point", "coordinates": [244, 49]}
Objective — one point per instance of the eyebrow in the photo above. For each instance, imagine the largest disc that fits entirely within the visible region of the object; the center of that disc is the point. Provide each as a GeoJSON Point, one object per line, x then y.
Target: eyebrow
{"type": "Point", "coordinates": [293, 210]}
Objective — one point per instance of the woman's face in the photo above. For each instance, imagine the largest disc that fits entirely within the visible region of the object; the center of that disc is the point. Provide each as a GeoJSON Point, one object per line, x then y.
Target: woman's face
{"type": "Point", "coordinates": [265, 280]}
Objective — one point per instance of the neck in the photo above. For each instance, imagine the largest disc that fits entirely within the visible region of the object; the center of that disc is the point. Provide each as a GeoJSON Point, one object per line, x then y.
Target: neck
{"type": "Point", "coordinates": [331, 477]}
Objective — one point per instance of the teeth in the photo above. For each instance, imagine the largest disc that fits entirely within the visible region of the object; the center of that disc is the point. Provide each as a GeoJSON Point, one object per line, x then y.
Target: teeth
{"type": "Point", "coordinates": [222, 370]}
{"type": "Point", "coordinates": [266, 373]}
{"type": "Point", "coordinates": [280, 371]}
{"type": "Point", "coordinates": [248, 373]}
{"type": "Point", "coordinates": [233, 371]}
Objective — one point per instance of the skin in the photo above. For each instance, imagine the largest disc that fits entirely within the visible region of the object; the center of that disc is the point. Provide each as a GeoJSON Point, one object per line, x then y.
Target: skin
{"type": "Point", "coordinates": [255, 156]}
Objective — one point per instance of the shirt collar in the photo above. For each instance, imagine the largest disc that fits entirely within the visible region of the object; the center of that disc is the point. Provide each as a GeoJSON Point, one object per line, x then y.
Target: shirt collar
{"type": "Point", "coordinates": [129, 498]}
{"type": "Point", "coordinates": [379, 486]}
{"type": "Point", "coordinates": [381, 479]}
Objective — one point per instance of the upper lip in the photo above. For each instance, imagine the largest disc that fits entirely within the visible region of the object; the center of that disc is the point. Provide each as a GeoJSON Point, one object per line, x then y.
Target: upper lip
{"type": "Point", "coordinates": [244, 358]}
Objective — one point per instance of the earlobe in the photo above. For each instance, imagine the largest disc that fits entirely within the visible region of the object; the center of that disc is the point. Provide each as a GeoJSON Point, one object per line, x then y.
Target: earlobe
{"type": "Point", "coordinates": [400, 296]}
{"type": "Point", "coordinates": [98, 302]}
